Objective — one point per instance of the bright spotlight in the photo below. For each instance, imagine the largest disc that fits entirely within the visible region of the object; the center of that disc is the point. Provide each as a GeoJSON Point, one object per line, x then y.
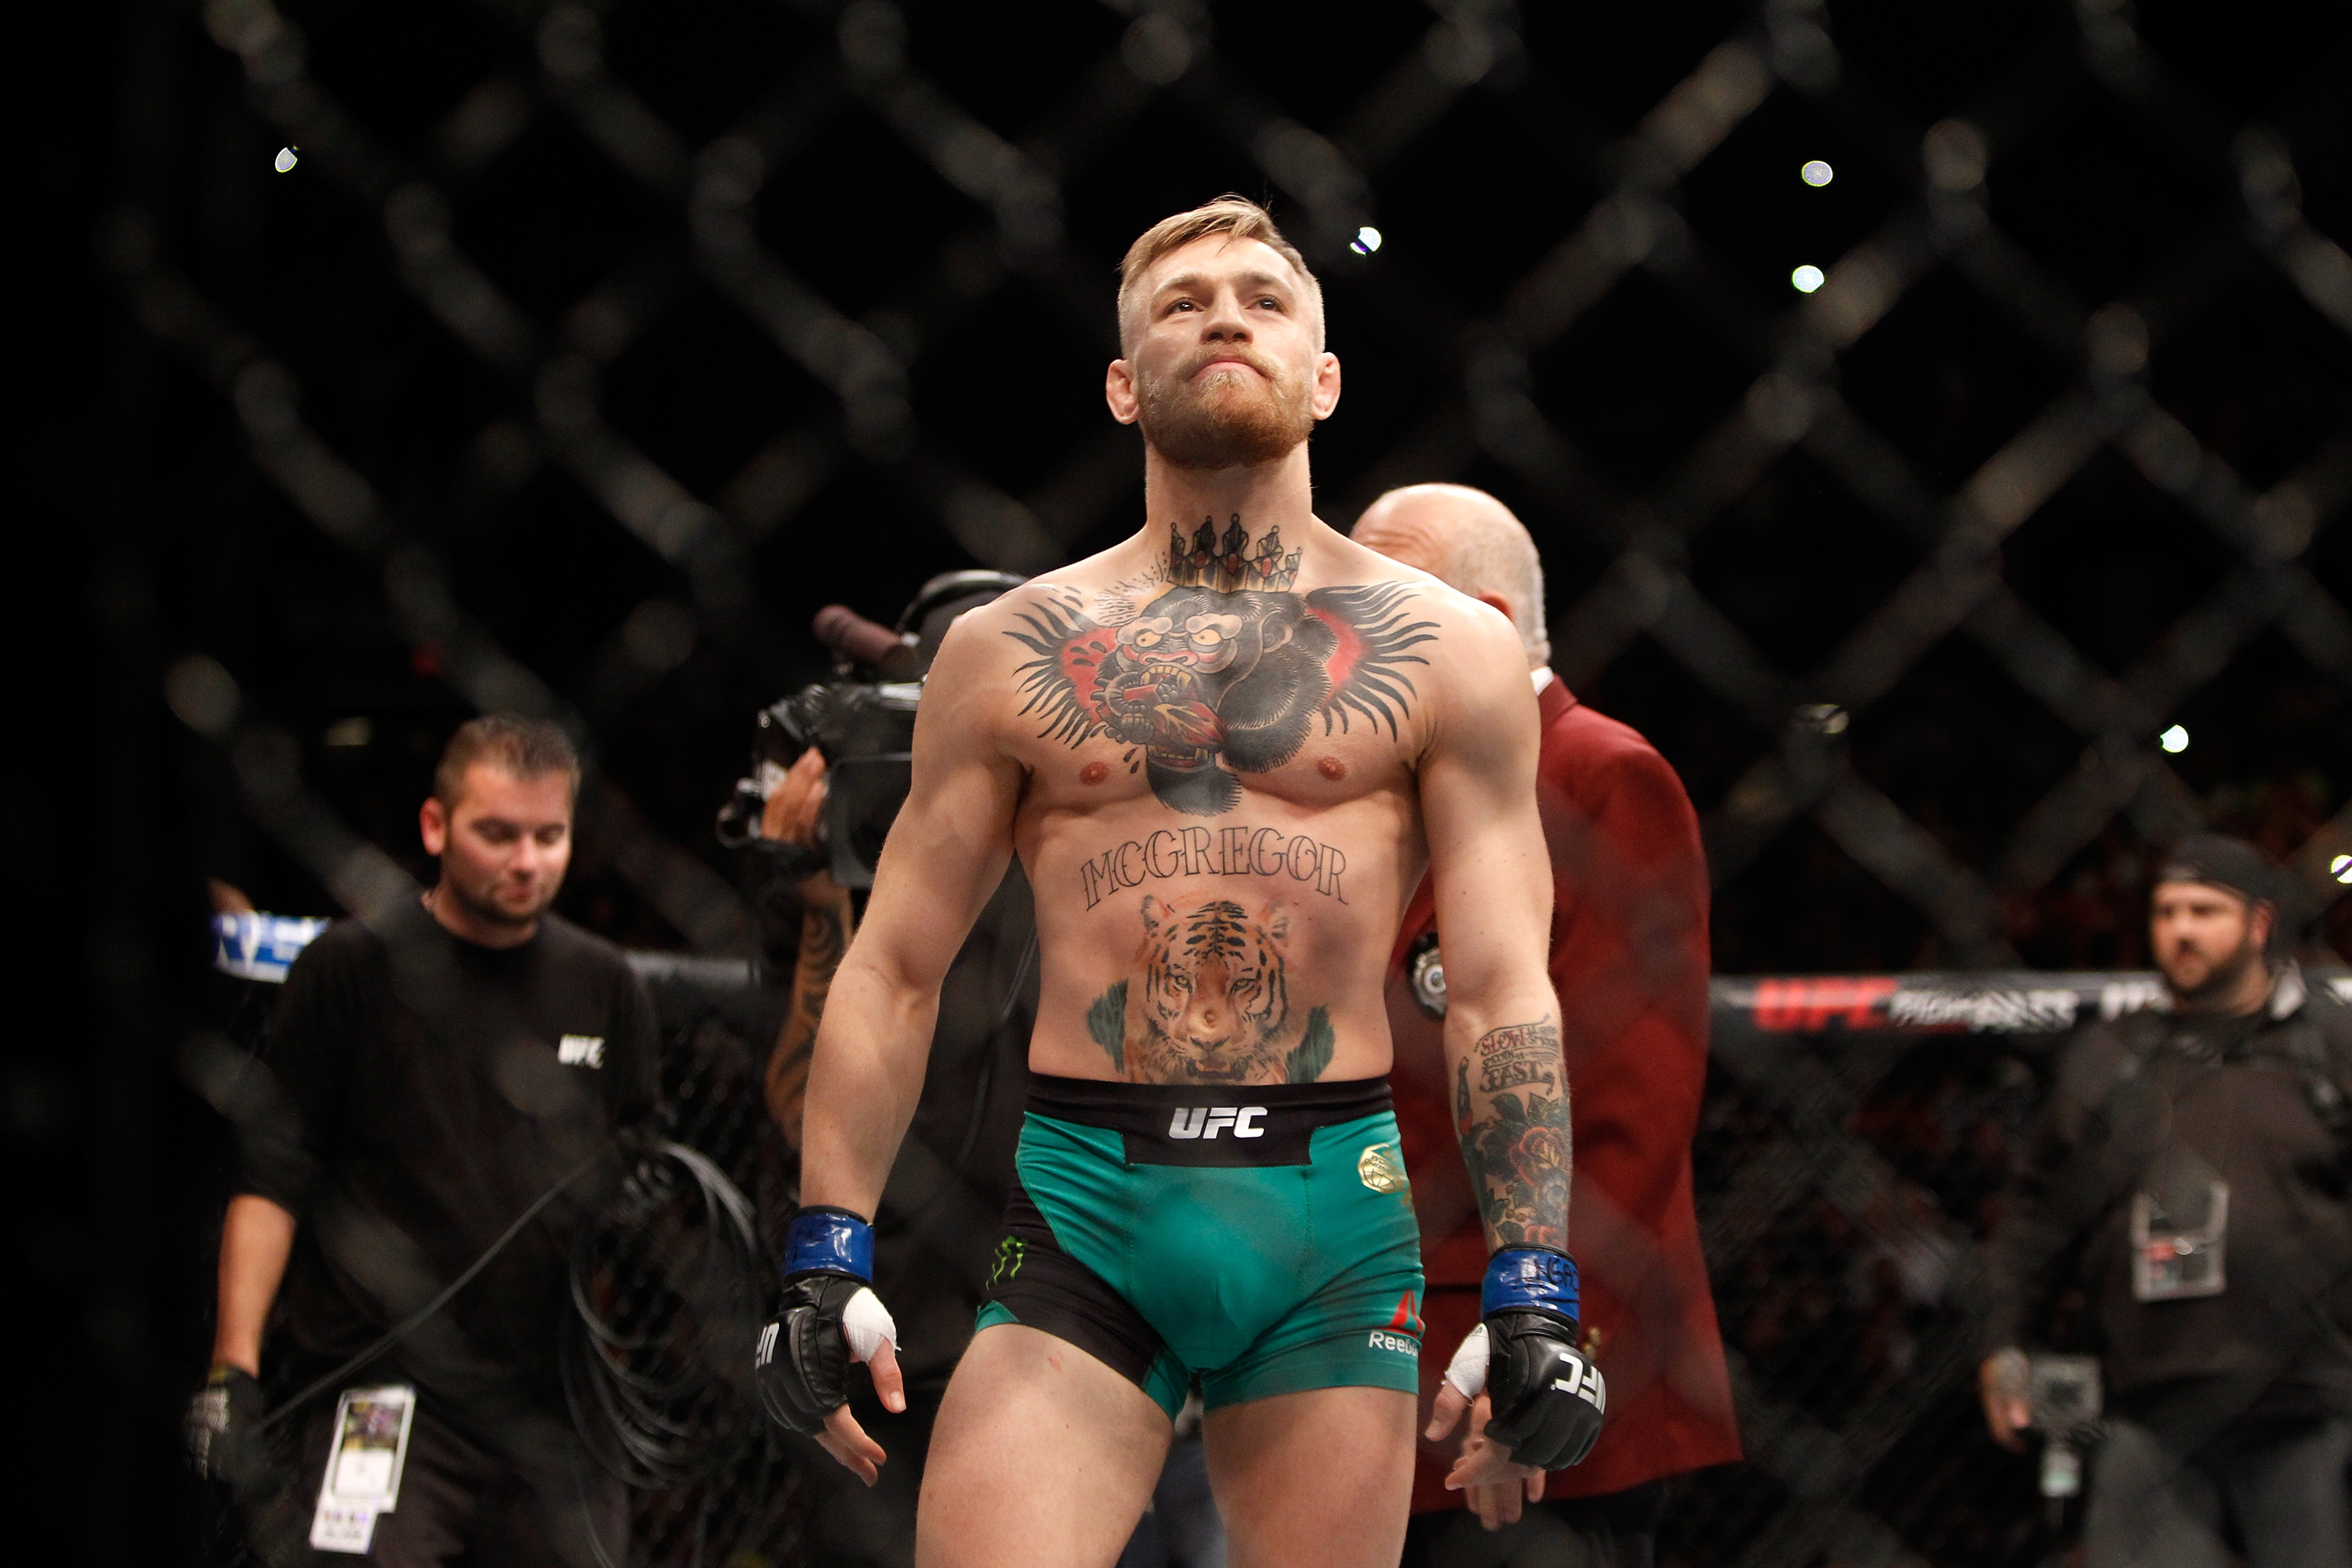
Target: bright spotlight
{"type": "Point", "coordinates": [2175, 740]}
{"type": "Point", "coordinates": [1808, 278]}
{"type": "Point", "coordinates": [285, 160]}
{"type": "Point", "coordinates": [1367, 240]}
{"type": "Point", "coordinates": [1817, 173]}
{"type": "Point", "coordinates": [2341, 868]}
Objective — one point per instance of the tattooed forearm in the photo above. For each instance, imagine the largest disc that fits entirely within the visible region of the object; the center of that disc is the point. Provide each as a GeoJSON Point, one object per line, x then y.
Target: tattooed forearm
{"type": "Point", "coordinates": [826, 926]}
{"type": "Point", "coordinates": [1510, 1110]}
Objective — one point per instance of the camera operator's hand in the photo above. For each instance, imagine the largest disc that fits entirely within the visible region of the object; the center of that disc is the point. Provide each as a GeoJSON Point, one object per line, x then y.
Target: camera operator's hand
{"type": "Point", "coordinates": [223, 1427]}
{"type": "Point", "coordinates": [2001, 1383]}
{"type": "Point", "coordinates": [793, 812]}
{"type": "Point", "coordinates": [828, 1318]}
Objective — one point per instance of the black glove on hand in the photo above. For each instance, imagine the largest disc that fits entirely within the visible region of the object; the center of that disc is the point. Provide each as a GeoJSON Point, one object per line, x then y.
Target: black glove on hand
{"type": "Point", "coordinates": [1547, 1400]}
{"type": "Point", "coordinates": [224, 1426]}
{"type": "Point", "coordinates": [828, 1317]}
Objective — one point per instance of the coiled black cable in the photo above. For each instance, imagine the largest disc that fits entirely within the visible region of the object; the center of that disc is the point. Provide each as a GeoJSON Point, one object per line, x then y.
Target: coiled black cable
{"type": "Point", "coordinates": [669, 1283]}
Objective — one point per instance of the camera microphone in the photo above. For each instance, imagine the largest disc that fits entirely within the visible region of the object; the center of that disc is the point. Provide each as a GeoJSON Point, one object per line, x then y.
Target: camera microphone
{"type": "Point", "coordinates": [855, 637]}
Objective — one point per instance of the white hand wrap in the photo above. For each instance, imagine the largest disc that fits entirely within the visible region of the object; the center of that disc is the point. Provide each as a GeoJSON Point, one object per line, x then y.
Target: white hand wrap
{"type": "Point", "coordinates": [1468, 1371]}
{"type": "Point", "coordinates": [867, 1322]}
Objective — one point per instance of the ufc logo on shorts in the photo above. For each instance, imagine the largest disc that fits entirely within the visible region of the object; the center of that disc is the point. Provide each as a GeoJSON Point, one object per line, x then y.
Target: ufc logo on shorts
{"type": "Point", "coordinates": [1208, 1121]}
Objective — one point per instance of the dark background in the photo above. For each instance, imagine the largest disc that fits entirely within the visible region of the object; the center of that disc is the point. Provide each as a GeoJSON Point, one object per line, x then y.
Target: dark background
{"type": "Point", "coordinates": [586, 352]}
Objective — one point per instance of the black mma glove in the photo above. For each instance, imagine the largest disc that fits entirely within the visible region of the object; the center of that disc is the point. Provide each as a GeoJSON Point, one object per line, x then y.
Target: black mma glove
{"type": "Point", "coordinates": [829, 1316]}
{"type": "Point", "coordinates": [1546, 1399]}
{"type": "Point", "coordinates": [224, 1426]}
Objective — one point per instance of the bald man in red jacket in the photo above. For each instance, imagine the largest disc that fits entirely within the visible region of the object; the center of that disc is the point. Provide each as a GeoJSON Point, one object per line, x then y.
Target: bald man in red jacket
{"type": "Point", "coordinates": [1629, 959]}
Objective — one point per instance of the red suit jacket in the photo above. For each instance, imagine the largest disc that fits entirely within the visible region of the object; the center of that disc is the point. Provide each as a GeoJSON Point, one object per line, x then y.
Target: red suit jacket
{"type": "Point", "coordinates": [1629, 959]}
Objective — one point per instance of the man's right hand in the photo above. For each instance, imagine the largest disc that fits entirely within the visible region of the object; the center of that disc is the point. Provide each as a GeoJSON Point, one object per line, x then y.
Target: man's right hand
{"type": "Point", "coordinates": [224, 1425]}
{"type": "Point", "coordinates": [794, 815]}
{"type": "Point", "coordinates": [2001, 1383]}
{"type": "Point", "coordinates": [828, 1318]}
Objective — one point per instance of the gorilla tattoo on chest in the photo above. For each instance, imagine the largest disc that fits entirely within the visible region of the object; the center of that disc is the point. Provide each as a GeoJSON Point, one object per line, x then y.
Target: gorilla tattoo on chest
{"type": "Point", "coordinates": [1224, 670]}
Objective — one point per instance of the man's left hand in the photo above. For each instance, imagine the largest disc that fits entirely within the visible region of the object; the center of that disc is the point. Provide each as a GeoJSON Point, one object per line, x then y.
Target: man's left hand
{"type": "Point", "coordinates": [1498, 1488]}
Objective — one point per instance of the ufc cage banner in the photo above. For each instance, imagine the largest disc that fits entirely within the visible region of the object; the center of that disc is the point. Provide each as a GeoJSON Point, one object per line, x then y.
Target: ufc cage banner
{"type": "Point", "coordinates": [1979, 1001]}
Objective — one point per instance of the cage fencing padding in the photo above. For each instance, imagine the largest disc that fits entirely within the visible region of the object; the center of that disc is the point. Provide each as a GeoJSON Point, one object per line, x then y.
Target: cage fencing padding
{"type": "Point", "coordinates": [1812, 1158]}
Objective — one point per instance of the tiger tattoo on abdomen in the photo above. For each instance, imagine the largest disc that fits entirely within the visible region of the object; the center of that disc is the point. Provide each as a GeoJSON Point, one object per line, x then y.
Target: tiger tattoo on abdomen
{"type": "Point", "coordinates": [1215, 1003]}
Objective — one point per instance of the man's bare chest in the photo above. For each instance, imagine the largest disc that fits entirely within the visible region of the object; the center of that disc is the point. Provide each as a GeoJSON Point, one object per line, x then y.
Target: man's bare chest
{"type": "Point", "coordinates": [1201, 692]}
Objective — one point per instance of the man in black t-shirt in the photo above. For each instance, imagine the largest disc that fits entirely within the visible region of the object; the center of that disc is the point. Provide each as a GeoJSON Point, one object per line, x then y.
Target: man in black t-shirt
{"type": "Point", "coordinates": [435, 1073]}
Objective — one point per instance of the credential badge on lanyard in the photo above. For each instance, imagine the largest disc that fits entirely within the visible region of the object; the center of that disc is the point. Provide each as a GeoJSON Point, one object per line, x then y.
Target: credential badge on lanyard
{"type": "Point", "coordinates": [362, 1479]}
{"type": "Point", "coordinates": [2176, 1256]}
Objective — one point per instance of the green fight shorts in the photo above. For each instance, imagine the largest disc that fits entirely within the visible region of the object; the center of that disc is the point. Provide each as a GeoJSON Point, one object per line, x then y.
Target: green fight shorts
{"type": "Point", "coordinates": [1259, 1239]}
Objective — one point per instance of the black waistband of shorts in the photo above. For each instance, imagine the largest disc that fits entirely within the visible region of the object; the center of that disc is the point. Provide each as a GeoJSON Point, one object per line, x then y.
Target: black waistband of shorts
{"type": "Point", "coordinates": [1210, 1124]}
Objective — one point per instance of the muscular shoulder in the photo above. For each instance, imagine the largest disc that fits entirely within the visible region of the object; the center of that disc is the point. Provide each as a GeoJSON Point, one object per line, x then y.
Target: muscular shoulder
{"type": "Point", "coordinates": [1473, 660]}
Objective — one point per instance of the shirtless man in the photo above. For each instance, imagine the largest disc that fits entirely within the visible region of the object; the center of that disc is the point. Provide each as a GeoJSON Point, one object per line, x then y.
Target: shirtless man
{"type": "Point", "coordinates": [1225, 751]}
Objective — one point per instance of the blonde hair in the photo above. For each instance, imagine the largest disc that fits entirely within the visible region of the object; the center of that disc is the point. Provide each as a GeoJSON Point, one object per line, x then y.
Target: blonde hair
{"type": "Point", "coordinates": [1236, 217]}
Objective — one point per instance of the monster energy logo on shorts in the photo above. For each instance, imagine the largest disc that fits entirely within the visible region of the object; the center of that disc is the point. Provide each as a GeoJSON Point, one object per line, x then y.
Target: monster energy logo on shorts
{"type": "Point", "coordinates": [1010, 1253]}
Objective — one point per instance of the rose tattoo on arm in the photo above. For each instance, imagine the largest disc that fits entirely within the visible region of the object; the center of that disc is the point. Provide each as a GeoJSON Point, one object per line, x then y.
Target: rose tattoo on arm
{"type": "Point", "coordinates": [1511, 1112]}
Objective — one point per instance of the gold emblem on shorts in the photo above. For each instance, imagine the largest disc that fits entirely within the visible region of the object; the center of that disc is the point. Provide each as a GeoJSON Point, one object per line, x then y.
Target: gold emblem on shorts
{"type": "Point", "coordinates": [1379, 1169]}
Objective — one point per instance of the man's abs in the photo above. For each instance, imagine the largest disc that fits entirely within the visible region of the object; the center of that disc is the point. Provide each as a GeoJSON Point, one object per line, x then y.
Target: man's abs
{"type": "Point", "coordinates": [1219, 812]}
{"type": "Point", "coordinates": [1248, 948]}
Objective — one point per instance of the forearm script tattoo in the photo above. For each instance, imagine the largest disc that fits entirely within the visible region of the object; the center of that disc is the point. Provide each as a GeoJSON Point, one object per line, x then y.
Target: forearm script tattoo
{"type": "Point", "coordinates": [1510, 1110]}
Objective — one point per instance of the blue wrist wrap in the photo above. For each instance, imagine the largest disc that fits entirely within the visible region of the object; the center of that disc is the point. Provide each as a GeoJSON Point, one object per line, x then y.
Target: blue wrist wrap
{"type": "Point", "coordinates": [1529, 1278]}
{"type": "Point", "coordinates": [833, 1241]}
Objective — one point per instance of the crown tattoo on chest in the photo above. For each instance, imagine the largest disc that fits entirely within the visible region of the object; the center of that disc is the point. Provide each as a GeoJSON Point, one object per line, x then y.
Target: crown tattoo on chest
{"type": "Point", "coordinates": [1224, 670]}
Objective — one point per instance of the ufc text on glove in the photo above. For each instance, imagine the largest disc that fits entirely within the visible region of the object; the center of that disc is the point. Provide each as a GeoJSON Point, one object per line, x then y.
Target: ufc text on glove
{"type": "Point", "coordinates": [1547, 1400]}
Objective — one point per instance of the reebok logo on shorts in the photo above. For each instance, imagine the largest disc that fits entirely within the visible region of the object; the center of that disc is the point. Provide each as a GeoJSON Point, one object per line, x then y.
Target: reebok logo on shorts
{"type": "Point", "coordinates": [580, 1051]}
{"type": "Point", "coordinates": [1382, 1340]}
{"type": "Point", "coordinates": [1208, 1121]}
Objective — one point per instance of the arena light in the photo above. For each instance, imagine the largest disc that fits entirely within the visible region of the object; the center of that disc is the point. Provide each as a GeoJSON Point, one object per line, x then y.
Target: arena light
{"type": "Point", "coordinates": [2175, 740]}
{"type": "Point", "coordinates": [1808, 278]}
{"type": "Point", "coordinates": [1816, 174]}
{"type": "Point", "coordinates": [1367, 240]}
{"type": "Point", "coordinates": [2341, 868]}
{"type": "Point", "coordinates": [285, 160]}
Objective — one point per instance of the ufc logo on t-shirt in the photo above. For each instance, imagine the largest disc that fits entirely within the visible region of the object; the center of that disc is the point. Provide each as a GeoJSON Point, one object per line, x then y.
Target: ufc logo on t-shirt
{"type": "Point", "coordinates": [580, 1050]}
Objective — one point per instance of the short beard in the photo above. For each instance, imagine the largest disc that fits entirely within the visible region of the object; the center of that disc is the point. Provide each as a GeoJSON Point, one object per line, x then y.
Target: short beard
{"type": "Point", "coordinates": [2226, 974]}
{"type": "Point", "coordinates": [1189, 430]}
{"type": "Point", "coordinates": [490, 913]}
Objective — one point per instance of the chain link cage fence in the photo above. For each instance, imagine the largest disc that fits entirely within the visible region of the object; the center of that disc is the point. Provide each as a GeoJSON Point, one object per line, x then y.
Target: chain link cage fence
{"type": "Point", "coordinates": [1960, 517]}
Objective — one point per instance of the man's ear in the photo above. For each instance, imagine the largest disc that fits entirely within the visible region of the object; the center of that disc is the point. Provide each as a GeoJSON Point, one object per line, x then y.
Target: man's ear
{"type": "Point", "coordinates": [1324, 398]}
{"type": "Point", "coordinates": [1118, 390]}
{"type": "Point", "coordinates": [433, 825]}
{"type": "Point", "coordinates": [1496, 600]}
